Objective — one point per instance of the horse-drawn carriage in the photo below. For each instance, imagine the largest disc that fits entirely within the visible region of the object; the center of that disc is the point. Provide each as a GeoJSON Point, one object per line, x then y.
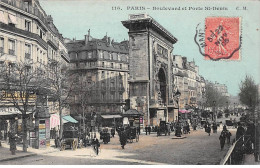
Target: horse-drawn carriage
{"type": "Point", "coordinates": [105, 135]}
{"type": "Point", "coordinates": [164, 128]}
{"type": "Point", "coordinates": [70, 139]}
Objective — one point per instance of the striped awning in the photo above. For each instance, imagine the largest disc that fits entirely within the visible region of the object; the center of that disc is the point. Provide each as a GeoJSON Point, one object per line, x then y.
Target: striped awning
{"type": "Point", "coordinates": [54, 120]}
{"type": "Point", "coordinates": [68, 118]}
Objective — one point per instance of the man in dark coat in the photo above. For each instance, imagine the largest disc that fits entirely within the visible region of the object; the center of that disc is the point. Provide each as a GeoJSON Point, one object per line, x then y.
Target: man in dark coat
{"type": "Point", "coordinates": [222, 140]}
{"type": "Point", "coordinates": [240, 131]}
{"type": "Point", "coordinates": [123, 139]}
{"type": "Point", "coordinates": [96, 145]}
{"type": "Point", "coordinates": [149, 129]}
{"type": "Point", "coordinates": [113, 132]}
{"type": "Point", "coordinates": [146, 129]}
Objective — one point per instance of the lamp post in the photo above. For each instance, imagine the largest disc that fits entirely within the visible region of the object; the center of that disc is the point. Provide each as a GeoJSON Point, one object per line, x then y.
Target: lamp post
{"type": "Point", "coordinates": [214, 111]}
{"type": "Point", "coordinates": [178, 94]}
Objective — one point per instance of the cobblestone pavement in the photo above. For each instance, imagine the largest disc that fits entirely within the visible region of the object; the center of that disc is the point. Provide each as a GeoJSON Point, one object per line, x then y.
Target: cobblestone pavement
{"type": "Point", "coordinates": [196, 148]}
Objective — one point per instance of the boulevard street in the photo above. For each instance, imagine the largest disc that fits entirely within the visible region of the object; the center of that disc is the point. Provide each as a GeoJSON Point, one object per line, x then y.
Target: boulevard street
{"type": "Point", "coordinates": [196, 148]}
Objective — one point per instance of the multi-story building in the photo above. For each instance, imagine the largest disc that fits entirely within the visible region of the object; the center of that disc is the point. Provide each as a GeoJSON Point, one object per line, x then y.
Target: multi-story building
{"type": "Point", "coordinates": [28, 35]}
{"type": "Point", "coordinates": [188, 81]}
{"type": "Point", "coordinates": [103, 67]}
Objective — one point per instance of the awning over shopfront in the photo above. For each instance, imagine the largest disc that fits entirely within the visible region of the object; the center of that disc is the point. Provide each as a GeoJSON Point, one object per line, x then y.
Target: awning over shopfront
{"type": "Point", "coordinates": [132, 113]}
{"type": "Point", "coordinates": [111, 116]}
{"type": "Point", "coordinates": [68, 118]}
{"type": "Point", "coordinates": [185, 111]}
{"type": "Point", "coordinates": [55, 120]}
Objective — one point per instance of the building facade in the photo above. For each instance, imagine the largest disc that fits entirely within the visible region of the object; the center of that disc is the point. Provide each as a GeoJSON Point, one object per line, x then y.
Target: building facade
{"type": "Point", "coordinates": [28, 35]}
{"type": "Point", "coordinates": [103, 67]}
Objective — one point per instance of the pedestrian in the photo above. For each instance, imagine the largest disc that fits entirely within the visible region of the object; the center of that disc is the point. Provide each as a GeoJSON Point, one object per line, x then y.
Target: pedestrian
{"type": "Point", "coordinates": [222, 140]}
{"type": "Point", "coordinates": [113, 132]}
{"type": "Point", "coordinates": [123, 139]}
{"type": "Point", "coordinates": [149, 129]}
{"type": "Point", "coordinates": [187, 127]}
{"type": "Point", "coordinates": [96, 145]}
{"type": "Point", "coordinates": [138, 130]}
{"type": "Point", "coordinates": [240, 131]}
{"type": "Point", "coordinates": [146, 129]}
{"type": "Point", "coordinates": [178, 130]}
{"type": "Point", "coordinates": [224, 127]}
{"type": "Point", "coordinates": [205, 127]}
{"type": "Point", "coordinates": [228, 135]}
{"type": "Point", "coordinates": [208, 129]}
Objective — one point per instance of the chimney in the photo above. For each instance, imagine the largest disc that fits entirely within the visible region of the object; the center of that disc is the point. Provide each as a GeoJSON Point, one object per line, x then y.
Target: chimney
{"type": "Point", "coordinates": [108, 40]}
{"type": "Point", "coordinates": [87, 37]}
{"type": "Point", "coordinates": [88, 34]}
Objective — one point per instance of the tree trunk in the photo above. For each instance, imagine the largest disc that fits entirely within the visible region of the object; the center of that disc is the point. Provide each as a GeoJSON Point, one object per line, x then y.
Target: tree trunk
{"type": "Point", "coordinates": [61, 123]}
{"type": "Point", "coordinates": [25, 142]}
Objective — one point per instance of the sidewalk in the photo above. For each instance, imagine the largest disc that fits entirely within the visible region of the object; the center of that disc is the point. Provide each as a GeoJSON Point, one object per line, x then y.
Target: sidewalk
{"type": "Point", "coordinates": [250, 160]}
{"type": "Point", "coordinates": [6, 153]}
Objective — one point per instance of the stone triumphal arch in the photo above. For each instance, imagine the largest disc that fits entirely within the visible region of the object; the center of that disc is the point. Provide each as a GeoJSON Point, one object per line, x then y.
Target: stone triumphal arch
{"type": "Point", "coordinates": [151, 76]}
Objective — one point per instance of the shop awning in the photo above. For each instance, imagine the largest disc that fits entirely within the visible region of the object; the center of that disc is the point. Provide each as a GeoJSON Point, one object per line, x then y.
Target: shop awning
{"type": "Point", "coordinates": [54, 120]}
{"type": "Point", "coordinates": [111, 116]}
{"type": "Point", "coordinates": [132, 113]}
{"type": "Point", "coordinates": [68, 118]}
{"type": "Point", "coordinates": [185, 111]}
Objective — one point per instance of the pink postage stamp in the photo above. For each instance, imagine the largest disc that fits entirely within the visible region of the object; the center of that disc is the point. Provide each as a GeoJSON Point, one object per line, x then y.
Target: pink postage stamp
{"type": "Point", "coordinates": [222, 38]}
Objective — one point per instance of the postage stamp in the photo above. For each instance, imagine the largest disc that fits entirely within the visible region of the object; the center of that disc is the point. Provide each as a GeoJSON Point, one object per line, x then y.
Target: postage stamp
{"type": "Point", "coordinates": [220, 39]}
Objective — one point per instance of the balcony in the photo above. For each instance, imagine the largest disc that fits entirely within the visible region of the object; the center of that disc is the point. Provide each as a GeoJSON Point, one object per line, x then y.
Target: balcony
{"type": "Point", "coordinates": [52, 41]}
{"type": "Point", "coordinates": [26, 8]}
{"type": "Point", "coordinates": [36, 37]}
{"type": "Point", "coordinates": [52, 61]}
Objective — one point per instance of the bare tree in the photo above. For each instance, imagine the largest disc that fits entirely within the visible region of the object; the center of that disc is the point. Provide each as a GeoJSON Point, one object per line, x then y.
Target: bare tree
{"type": "Point", "coordinates": [61, 81]}
{"type": "Point", "coordinates": [20, 83]}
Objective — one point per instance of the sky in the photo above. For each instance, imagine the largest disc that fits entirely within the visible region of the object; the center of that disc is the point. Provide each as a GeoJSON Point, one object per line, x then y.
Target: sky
{"type": "Point", "coordinates": [73, 18]}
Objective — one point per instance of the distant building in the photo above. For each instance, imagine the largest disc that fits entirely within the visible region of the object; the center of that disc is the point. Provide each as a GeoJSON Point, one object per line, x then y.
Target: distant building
{"type": "Point", "coordinates": [188, 81]}
{"type": "Point", "coordinates": [103, 67]}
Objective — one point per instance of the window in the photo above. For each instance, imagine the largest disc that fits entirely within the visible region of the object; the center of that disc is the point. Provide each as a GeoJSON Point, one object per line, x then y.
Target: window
{"type": "Point", "coordinates": [120, 66]}
{"type": "Point", "coordinates": [89, 55]}
{"type": "Point", "coordinates": [112, 96]}
{"type": "Point", "coordinates": [27, 25]}
{"type": "Point", "coordinates": [101, 54]}
{"type": "Point", "coordinates": [119, 59]}
{"type": "Point", "coordinates": [112, 65]}
{"type": "Point", "coordinates": [103, 74]}
{"type": "Point", "coordinates": [112, 84]}
{"type": "Point", "coordinates": [11, 47]}
{"type": "Point", "coordinates": [102, 96]}
{"type": "Point", "coordinates": [41, 33]}
{"type": "Point", "coordinates": [110, 56]}
{"type": "Point", "coordinates": [1, 44]}
{"type": "Point", "coordinates": [103, 64]}
{"type": "Point", "coordinates": [27, 51]}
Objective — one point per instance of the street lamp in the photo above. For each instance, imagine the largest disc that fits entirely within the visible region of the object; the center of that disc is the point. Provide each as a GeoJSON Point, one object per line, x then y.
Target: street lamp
{"type": "Point", "coordinates": [178, 94]}
{"type": "Point", "coordinates": [178, 128]}
{"type": "Point", "coordinates": [214, 111]}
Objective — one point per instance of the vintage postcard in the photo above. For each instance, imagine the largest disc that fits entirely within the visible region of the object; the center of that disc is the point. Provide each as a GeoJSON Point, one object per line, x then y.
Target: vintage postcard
{"type": "Point", "coordinates": [129, 82]}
